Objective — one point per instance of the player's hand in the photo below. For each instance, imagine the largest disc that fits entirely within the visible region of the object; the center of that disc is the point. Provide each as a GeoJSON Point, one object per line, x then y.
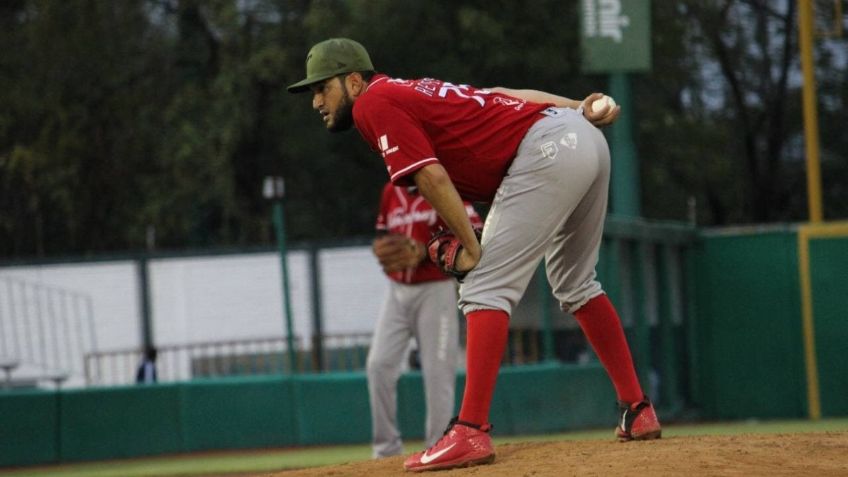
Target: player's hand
{"type": "Point", "coordinates": [397, 252]}
{"type": "Point", "coordinates": [466, 260]}
{"type": "Point", "coordinates": [602, 117]}
{"type": "Point", "coordinates": [452, 258]}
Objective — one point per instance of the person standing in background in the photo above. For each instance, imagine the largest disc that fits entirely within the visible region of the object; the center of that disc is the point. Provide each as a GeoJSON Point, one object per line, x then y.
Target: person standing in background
{"type": "Point", "coordinates": [146, 373]}
{"type": "Point", "coordinates": [420, 304]}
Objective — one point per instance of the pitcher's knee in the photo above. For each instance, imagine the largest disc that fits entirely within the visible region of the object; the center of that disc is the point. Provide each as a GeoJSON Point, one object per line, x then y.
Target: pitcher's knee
{"type": "Point", "coordinates": [469, 302]}
{"type": "Point", "coordinates": [571, 301]}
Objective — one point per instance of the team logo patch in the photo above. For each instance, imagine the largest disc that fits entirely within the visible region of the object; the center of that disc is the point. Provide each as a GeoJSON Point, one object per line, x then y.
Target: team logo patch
{"type": "Point", "coordinates": [384, 145]}
{"type": "Point", "coordinates": [549, 149]}
{"type": "Point", "coordinates": [569, 140]}
{"type": "Point", "coordinates": [519, 104]}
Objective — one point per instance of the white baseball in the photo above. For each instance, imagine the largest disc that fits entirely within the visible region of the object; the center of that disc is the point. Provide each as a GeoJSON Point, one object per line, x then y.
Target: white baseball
{"type": "Point", "coordinates": [599, 104]}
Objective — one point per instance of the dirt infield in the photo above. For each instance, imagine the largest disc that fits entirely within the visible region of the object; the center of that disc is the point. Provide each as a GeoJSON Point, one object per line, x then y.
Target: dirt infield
{"type": "Point", "coordinates": [814, 454]}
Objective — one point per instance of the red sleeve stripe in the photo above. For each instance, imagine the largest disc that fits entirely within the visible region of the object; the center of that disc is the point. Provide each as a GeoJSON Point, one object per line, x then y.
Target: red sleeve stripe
{"type": "Point", "coordinates": [416, 165]}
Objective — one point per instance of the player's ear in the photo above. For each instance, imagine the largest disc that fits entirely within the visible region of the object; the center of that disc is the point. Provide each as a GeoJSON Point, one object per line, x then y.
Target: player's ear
{"type": "Point", "coordinates": [355, 83]}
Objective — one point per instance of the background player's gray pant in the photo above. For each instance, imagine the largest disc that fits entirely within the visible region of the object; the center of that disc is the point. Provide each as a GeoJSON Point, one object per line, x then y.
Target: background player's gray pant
{"type": "Point", "coordinates": [427, 312]}
{"type": "Point", "coordinates": [552, 203]}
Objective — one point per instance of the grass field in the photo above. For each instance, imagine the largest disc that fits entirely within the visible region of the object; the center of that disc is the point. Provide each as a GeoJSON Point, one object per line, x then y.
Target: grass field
{"type": "Point", "coordinates": [236, 462]}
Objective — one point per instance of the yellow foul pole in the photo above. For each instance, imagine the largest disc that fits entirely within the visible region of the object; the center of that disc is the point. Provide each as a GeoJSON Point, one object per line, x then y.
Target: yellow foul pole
{"type": "Point", "coordinates": [811, 125]}
{"type": "Point", "coordinates": [808, 328]}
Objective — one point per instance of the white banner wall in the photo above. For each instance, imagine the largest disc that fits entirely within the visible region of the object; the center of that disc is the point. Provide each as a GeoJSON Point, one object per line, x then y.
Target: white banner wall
{"type": "Point", "coordinates": [352, 290]}
{"type": "Point", "coordinates": [220, 297]}
{"type": "Point", "coordinates": [230, 297]}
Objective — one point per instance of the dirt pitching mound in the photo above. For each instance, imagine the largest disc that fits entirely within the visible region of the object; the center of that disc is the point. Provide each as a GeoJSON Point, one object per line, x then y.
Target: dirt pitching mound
{"type": "Point", "coordinates": [814, 454]}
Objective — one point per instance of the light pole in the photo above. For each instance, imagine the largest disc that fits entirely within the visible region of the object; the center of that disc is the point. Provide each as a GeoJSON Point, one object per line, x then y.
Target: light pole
{"type": "Point", "coordinates": [274, 189]}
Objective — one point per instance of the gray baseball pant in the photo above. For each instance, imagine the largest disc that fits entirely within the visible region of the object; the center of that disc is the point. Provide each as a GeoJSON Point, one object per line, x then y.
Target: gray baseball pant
{"type": "Point", "coordinates": [427, 312]}
{"type": "Point", "coordinates": [552, 204]}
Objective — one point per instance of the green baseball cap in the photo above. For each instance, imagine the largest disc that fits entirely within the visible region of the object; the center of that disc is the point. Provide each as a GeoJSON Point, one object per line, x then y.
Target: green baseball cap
{"type": "Point", "coordinates": [330, 58]}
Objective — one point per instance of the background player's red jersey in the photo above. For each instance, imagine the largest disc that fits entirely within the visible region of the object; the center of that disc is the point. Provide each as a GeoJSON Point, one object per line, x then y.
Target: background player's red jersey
{"type": "Point", "coordinates": [407, 213]}
{"type": "Point", "coordinates": [473, 133]}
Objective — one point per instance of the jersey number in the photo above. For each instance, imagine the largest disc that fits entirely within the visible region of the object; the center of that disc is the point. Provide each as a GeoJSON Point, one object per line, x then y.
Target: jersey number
{"type": "Point", "coordinates": [461, 90]}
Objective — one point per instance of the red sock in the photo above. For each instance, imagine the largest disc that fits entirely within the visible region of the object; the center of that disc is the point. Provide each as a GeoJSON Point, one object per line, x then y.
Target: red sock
{"type": "Point", "coordinates": [486, 337]}
{"type": "Point", "coordinates": [602, 327]}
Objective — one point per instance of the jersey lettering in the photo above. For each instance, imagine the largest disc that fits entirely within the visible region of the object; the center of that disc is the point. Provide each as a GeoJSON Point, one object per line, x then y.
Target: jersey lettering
{"type": "Point", "coordinates": [427, 86]}
{"type": "Point", "coordinates": [398, 217]}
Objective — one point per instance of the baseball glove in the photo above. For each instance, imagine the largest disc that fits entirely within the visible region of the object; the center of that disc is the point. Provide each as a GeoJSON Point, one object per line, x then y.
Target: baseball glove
{"type": "Point", "coordinates": [443, 249]}
{"type": "Point", "coordinates": [397, 252]}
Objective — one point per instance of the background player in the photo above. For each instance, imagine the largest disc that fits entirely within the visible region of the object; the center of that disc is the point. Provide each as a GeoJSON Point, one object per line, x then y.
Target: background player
{"type": "Point", "coordinates": [543, 165]}
{"type": "Point", "coordinates": [420, 303]}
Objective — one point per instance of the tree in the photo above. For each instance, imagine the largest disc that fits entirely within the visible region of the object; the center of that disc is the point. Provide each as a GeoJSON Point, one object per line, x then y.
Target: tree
{"type": "Point", "coordinates": [732, 117]}
{"type": "Point", "coordinates": [121, 115]}
{"type": "Point", "coordinates": [78, 99]}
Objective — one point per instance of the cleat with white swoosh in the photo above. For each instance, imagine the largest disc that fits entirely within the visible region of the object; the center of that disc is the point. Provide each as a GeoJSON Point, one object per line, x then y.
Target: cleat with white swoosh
{"type": "Point", "coordinates": [463, 445]}
{"type": "Point", "coordinates": [638, 421]}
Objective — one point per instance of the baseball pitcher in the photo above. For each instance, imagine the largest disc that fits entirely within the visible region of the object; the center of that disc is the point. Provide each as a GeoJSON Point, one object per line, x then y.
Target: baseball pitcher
{"type": "Point", "coordinates": [544, 166]}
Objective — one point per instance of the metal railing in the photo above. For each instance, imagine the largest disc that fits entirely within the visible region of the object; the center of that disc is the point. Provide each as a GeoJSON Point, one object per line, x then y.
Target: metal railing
{"type": "Point", "coordinates": [45, 330]}
{"type": "Point", "coordinates": [181, 362]}
{"type": "Point", "coordinates": [342, 352]}
{"type": "Point", "coordinates": [245, 357]}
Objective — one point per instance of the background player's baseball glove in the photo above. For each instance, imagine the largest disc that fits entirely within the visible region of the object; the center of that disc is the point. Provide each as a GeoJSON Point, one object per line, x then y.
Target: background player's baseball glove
{"type": "Point", "coordinates": [397, 252]}
{"type": "Point", "coordinates": [443, 249]}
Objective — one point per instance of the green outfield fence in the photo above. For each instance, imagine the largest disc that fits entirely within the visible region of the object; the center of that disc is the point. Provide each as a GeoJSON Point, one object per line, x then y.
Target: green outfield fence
{"type": "Point", "coordinates": [724, 324]}
{"type": "Point", "coordinates": [760, 355]}
{"type": "Point", "coordinates": [273, 411]}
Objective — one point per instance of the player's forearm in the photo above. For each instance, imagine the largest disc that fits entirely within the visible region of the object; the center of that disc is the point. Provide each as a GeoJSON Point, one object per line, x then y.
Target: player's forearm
{"type": "Point", "coordinates": [435, 185]}
{"type": "Point", "coordinates": [535, 96]}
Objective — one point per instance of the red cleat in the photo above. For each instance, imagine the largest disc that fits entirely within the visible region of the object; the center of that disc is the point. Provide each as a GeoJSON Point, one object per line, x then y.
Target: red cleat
{"type": "Point", "coordinates": [463, 445]}
{"type": "Point", "coordinates": [638, 422]}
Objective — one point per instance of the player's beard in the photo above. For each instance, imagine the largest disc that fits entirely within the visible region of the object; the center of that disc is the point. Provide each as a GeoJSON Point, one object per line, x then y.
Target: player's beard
{"type": "Point", "coordinates": [343, 118]}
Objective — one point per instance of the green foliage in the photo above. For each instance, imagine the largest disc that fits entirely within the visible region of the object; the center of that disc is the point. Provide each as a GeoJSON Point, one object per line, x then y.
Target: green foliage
{"type": "Point", "coordinates": [120, 115]}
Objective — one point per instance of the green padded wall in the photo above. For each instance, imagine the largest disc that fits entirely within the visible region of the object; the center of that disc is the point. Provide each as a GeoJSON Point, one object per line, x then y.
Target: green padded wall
{"type": "Point", "coordinates": [528, 399]}
{"type": "Point", "coordinates": [548, 398]}
{"type": "Point", "coordinates": [255, 412]}
{"type": "Point", "coordinates": [749, 330]}
{"type": "Point", "coordinates": [28, 427]}
{"type": "Point", "coordinates": [120, 422]}
{"type": "Point", "coordinates": [332, 408]}
{"type": "Point", "coordinates": [238, 413]}
{"type": "Point", "coordinates": [829, 273]}
{"type": "Point", "coordinates": [411, 405]}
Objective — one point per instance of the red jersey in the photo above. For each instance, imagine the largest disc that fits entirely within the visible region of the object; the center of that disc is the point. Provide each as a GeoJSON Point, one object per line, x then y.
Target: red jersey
{"type": "Point", "coordinates": [405, 213]}
{"type": "Point", "coordinates": [473, 133]}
